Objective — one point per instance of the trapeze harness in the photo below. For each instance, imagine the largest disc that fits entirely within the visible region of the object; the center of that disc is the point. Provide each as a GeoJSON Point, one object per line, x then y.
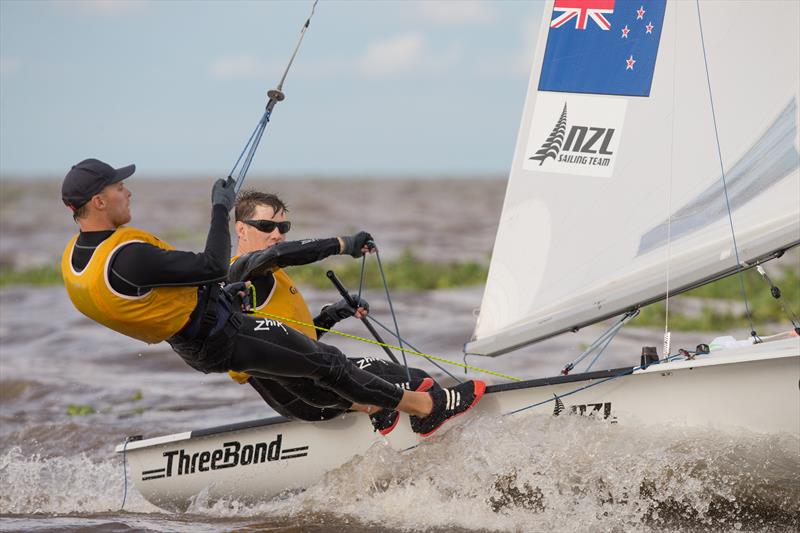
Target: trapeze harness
{"type": "Point", "coordinates": [161, 312]}
{"type": "Point", "coordinates": [301, 398]}
{"type": "Point", "coordinates": [203, 328]}
{"type": "Point", "coordinates": [284, 299]}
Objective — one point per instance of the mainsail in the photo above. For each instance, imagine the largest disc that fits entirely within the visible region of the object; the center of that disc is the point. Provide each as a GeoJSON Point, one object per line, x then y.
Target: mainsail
{"type": "Point", "coordinates": [616, 177]}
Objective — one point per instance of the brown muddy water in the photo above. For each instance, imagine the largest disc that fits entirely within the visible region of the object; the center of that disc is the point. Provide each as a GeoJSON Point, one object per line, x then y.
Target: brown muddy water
{"type": "Point", "coordinates": [58, 470]}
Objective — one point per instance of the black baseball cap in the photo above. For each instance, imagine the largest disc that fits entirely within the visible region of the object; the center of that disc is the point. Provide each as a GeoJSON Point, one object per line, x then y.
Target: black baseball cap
{"type": "Point", "coordinates": [88, 178]}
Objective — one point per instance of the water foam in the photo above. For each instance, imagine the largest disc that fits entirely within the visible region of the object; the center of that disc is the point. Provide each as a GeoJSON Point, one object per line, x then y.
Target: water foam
{"type": "Point", "coordinates": [75, 484]}
{"type": "Point", "coordinates": [521, 473]}
{"type": "Point", "coordinates": [566, 473]}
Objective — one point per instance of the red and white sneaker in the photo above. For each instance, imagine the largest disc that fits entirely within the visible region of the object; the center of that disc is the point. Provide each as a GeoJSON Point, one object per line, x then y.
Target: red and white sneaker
{"type": "Point", "coordinates": [384, 421]}
{"type": "Point", "coordinates": [447, 404]}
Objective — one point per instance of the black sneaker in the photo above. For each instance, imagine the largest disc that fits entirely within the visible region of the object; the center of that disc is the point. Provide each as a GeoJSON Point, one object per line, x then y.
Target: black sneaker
{"type": "Point", "coordinates": [384, 421]}
{"type": "Point", "coordinates": [447, 404]}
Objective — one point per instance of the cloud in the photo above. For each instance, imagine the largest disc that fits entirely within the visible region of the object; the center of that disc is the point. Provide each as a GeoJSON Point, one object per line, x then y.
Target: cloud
{"type": "Point", "coordinates": [513, 63]}
{"type": "Point", "coordinates": [9, 65]}
{"type": "Point", "coordinates": [404, 55]}
{"type": "Point", "coordinates": [456, 12]}
{"type": "Point", "coordinates": [239, 67]}
{"type": "Point", "coordinates": [106, 8]}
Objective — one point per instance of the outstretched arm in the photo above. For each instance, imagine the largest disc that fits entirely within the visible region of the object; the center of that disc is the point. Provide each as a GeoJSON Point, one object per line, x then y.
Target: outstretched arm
{"type": "Point", "coordinates": [144, 266]}
{"type": "Point", "coordinates": [290, 253]}
{"type": "Point", "coordinates": [294, 253]}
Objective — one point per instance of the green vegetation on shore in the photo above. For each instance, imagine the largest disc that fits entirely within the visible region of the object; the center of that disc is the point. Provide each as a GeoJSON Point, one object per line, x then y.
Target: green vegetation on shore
{"type": "Point", "coordinates": [37, 276]}
{"type": "Point", "coordinates": [406, 272]}
{"type": "Point", "coordinates": [717, 306]}
{"type": "Point", "coordinates": [722, 306]}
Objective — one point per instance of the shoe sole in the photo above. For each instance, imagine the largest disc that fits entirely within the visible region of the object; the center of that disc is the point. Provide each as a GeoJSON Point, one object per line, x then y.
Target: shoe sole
{"type": "Point", "coordinates": [479, 389]}
{"type": "Point", "coordinates": [426, 384]}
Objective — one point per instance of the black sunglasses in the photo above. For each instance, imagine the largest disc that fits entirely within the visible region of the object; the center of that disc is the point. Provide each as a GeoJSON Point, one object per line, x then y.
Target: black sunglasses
{"type": "Point", "coordinates": [268, 226]}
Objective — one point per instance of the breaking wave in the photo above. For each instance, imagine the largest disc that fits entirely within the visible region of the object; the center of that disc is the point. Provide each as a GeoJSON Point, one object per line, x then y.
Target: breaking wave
{"type": "Point", "coordinates": [76, 484]}
{"type": "Point", "coordinates": [567, 473]}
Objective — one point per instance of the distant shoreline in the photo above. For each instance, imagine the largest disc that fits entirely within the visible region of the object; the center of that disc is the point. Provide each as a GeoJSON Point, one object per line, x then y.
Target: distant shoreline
{"type": "Point", "coordinates": [354, 177]}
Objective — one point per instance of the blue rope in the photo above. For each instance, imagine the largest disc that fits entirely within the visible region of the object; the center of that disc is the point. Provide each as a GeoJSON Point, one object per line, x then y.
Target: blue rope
{"type": "Point", "coordinates": [590, 385]}
{"type": "Point", "coordinates": [602, 341]}
{"type": "Point", "coordinates": [274, 97]}
{"type": "Point", "coordinates": [600, 352]}
{"type": "Point", "coordinates": [255, 139]}
{"type": "Point", "coordinates": [740, 270]}
{"type": "Point", "coordinates": [262, 125]}
{"type": "Point", "coordinates": [250, 140]}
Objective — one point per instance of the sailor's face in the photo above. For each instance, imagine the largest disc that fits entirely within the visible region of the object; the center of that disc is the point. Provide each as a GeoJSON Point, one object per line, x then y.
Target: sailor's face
{"type": "Point", "coordinates": [116, 199]}
{"type": "Point", "coordinates": [253, 239]}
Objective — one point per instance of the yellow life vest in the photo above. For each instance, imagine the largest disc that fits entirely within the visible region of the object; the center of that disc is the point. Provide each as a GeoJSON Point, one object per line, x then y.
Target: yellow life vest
{"type": "Point", "coordinates": [286, 301]}
{"type": "Point", "coordinates": [151, 318]}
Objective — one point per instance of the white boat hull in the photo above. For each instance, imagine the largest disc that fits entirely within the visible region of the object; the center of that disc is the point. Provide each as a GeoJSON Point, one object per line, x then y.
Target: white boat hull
{"type": "Point", "coordinates": [756, 388]}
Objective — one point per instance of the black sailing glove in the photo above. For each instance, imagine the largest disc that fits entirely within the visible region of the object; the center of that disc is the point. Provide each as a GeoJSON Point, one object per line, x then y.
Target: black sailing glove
{"type": "Point", "coordinates": [223, 193]}
{"type": "Point", "coordinates": [239, 293]}
{"type": "Point", "coordinates": [354, 243]}
{"type": "Point", "coordinates": [333, 313]}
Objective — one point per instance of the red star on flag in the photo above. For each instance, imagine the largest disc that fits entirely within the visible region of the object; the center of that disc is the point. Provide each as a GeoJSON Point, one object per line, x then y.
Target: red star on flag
{"type": "Point", "coordinates": [625, 32]}
{"type": "Point", "coordinates": [630, 61]}
{"type": "Point", "coordinates": [649, 27]}
{"type": "Point", "coordinates": [640, 13]}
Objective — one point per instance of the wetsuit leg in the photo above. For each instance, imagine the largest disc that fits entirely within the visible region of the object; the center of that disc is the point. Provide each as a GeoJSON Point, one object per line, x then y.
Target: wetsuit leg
{"type": "Point", "coordinates": [290, 405]}
{"type": "Point", "coordinates": [303, 399]}
{"type": "Point", "coordinates": [392, 372]}
{"type": "Point", "coordinates": [267, 348]}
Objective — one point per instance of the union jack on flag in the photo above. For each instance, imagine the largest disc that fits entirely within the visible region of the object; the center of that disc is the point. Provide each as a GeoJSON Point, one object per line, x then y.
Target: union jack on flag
{"type": "Point", "coordinates": [583, 10]}
{"type": "Point", "coordinates": [611, 49]}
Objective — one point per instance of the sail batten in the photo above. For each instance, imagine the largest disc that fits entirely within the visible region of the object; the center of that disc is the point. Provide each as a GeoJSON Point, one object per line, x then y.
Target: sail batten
{"type": "Point", "coordinates": [583, 232]}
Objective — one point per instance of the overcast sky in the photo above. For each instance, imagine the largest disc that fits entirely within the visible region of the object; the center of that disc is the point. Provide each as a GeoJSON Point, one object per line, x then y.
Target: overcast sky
{"type": "Point", "coordinates": [177, 86]}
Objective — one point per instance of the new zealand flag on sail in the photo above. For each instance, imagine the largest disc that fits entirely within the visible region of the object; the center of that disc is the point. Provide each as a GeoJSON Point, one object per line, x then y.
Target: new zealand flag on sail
{"type": "Point", "coordinates": [602, 46]}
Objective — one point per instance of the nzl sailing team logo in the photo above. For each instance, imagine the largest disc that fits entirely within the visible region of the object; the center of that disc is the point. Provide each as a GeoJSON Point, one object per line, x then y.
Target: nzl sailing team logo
{"type": "Point", "coordinates": [575, 134]}
{"type": "Point", "coordinates": [602, 46]}
{"type": "Point", "coordinates": [231, 454]}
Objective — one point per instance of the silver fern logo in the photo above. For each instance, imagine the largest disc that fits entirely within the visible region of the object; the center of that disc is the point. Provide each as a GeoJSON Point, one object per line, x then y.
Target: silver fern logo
{"type": "Point", "coordinates": [583, 140]}
{"type": "Point", "coordinates": [552, 145]}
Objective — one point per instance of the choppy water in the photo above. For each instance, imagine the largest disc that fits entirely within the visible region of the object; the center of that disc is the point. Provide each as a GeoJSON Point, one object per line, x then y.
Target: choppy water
{"type": "Point", "coordinates": [540, 474]}
{"type": "Point", "coordinates": [526, 473]}
{"type": "Point", "coordinates": [531, 473]}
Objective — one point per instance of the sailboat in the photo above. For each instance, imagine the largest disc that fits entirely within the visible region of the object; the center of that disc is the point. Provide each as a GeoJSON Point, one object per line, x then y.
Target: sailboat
{"type": "Point", "coordinates": [658, 151]}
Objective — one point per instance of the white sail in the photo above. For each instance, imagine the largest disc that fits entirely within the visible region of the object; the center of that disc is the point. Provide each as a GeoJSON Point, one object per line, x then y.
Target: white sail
{"type": "Point", "coordinates": [609, 192]}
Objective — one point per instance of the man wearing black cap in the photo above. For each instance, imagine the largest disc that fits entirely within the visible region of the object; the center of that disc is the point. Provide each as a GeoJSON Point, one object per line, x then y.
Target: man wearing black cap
{"type": "Point", "coordinates": [132, 282]}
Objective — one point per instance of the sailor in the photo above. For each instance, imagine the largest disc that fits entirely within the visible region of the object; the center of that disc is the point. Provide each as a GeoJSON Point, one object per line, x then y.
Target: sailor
{"type": "Point", "coordinates": [262, 252]}
{"type": "Point", "coordinates": [132, 282]}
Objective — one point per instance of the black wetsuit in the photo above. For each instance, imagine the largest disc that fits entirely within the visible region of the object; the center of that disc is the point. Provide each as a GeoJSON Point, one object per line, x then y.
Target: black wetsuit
{"type": "Point", "coordinates": [302, 398]}
{"type": "Point", "coordinates": [218, 338]}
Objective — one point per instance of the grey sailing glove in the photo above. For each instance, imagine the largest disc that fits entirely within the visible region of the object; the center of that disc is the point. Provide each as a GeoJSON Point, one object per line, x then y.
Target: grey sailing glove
{"type": "Point", "coordinates": [354, 243]}
{"type": "Point", "coordinates": [333, 313]}
{"type": "Point", "coordinates": [223, 193]}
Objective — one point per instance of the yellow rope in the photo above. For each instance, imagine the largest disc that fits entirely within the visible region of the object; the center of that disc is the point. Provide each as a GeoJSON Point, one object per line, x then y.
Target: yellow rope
{"type": "Point", "coordinates": [369, 341]}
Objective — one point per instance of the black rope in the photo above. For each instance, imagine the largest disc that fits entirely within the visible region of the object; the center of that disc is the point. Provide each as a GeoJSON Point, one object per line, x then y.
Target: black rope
{"type": "Point", "coordinates": [391, 310]}
{"type": "Point", "coordinates": [393, 334]}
